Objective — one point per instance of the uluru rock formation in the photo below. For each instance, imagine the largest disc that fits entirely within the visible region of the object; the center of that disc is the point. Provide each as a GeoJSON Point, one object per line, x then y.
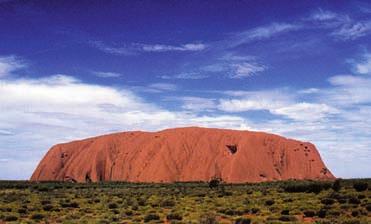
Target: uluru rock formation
{"type": "Point", "coordinates": [183, 154]}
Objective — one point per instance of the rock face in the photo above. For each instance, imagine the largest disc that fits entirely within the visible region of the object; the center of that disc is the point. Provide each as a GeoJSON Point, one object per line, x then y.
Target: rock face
{"type": "Point", "coordinates": [183, 154]}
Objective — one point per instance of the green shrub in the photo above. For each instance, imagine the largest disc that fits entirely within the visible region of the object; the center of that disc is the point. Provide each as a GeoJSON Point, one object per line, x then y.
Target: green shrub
{"type": "Point", "coordinates": [351, 221]}
{"type": "Point", "coordinates": [151, 217]}
{"type": "Point", "coordinates": [336, 186]}
{"type": "Point", "coordinates": [215, 182]}
{"type": "Point", "coordinates": [360, 186]}
{"type": "Point", "coordinates": [309, 213]}
{"type": "Point", "coordinates": [10, 218]}
{"type": "Point", "coordinates": [269, 202]}
{"type": "Point", "coordinates": [287, 218]}
{"type": "Point", "coordinates": [45, 202]}
{"type": "Point", "coordinates": [112, 205]}
{"type": "Point", "coordinates": [174, 216]}
{"type": "Point", "coordinates": [354, 200]}
{"type": "Point", "coordinates": [208, 218]}
{"type": "Point", "coordinates": [168, 203]}
{"type": "Point", "coordinates": [255, 210]}
{"type": "Point", "coordinates": [48, 207]}
{"type": "Point", "coordinates": [69, 204]}
{"type": "Point", "coordinates": [37, 216]}
{"type": "Point", "coordinates": [322, 213]}
{"type": "Point", "coordinates": [308, 187]}
{"type": "Point", "coordinates": [327, 201]}
{"type": "Point", "coordinates": [285, 212]}
{"type": "Point", "coordinates": [242, 221]}
{"type": "Point", "coordinates": [361, 196]}
{"type": "Point", "coordinates": [22, 211]}
{"type": "Point", "coordinates": [368, 207]}
{"type": "Point", "coordinates": [141, 202]}
{"type": "Point", "coordinates": [355, 213]}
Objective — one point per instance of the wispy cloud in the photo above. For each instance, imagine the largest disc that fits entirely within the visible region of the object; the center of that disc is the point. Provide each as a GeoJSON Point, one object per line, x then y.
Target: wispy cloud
{"type": "Point", "coordinates": [246, 69]}
{"type": "Point", "coordinates": [353, 30]}
{"type": "Point", "coordinates": [186, 75]}
{"type": "Point", "coordinates": [164, 48]}
{"type": "Point", "coordinates": [111, 49]}
{"type": "Point", "coordinates": [5, 132]}
{"type": "Point", "coordinates": [235, 66]}
{"type": "Point", "coordinates": [9, 64]}
{"type": "Point", "coordinates": [198, 103]}
{"type": "Point", "coordinates": [262, 32]}
{"type": "Point", "coordinates": [107, 74]}
{"type": "Point", "coordinates": [162, 87]}
{"type": "Point", "coordinates": [136, 48]}
{"type": "Point", "coordinates": [364, 66]}
{"type": "Point", "coordinates": [341, 26]}
{"type": "Point", "coordinates": [323, 15]}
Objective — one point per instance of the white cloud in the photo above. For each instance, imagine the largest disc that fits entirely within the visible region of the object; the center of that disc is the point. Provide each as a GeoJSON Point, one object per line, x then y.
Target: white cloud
{"type": "Point", "coordinates": [164, 48]}
{"type": "Point", "coordinates": [246, 69]}
{"type": "Point", "coordinates": [309, 91]}
{"type": "Point", "coordinates": [352, 30]}
{"type": "Point", "coordinates": [282, 102]}
{"type": "Point", "coordinates": [186, 75]}
{"type": "Point", "coordinates": [162, 86]}
{"type": "Point", "coordinates": [5, 132]}
{"type": "Point", "coordinates": [342, 26]}
{"type": "Point", "coordinates": [364, 67]}
{"type": "Point", "coordinates": [112, 50]}
{"type": "Point", "coordinates": [323, 15]}
{"type": "Point", "coordinates": [235, 66]}
{"type": "Point", "coordinates": [263, 32]}
{"type": "Point", "coordinates": [9, 64]}
{"type": "Point", "coordinates": [348, 90]}
{"type": "Point", "coordinates": [107, 74]}
{"type": "Point", "coordinates": [305, 111]}
{"type": "Point", "coordinates": [198, 103]}
{"type": "Point", "coordinates": [241, 105]}
{"type": "Point", "coordinates": [292, 110]}
{"type": "Point", "coordinates": [133, 49]}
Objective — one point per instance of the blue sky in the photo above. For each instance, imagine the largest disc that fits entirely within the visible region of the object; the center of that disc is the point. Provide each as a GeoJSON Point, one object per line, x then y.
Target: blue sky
{"type": "Point", "coordinates": [72, 70]}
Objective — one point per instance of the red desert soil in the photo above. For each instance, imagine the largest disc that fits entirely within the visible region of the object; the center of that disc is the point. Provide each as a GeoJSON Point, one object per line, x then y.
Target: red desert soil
{"type": "Point", "coordinates": [183, 154]}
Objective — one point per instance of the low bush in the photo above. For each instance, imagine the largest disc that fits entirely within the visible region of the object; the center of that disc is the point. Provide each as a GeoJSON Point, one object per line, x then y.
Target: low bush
{"type": "Point", "coordinates": [151, 217]}
{"type": "Point", "coordinates": [37, 216]}
{"type": "Point", "coordinates": [336, 186]}
{"type": "Point", "coordinates": [168, 203]}
{"type": "Point", "coordinates": [368, 207]}
{"type": "Point", "coordinates": [10, 218]}
{"type": "Point", "coordinates": [308, 187]}
{"type": "Point", "coordinates": [112, 205]}
{"type": "Point", "coordinates": [208, 218]}
{"type": "Point", "coordinates": [242, 221]}
{"type": "Point", "coordinates": [288, 218]}
{"type": "Point", "coordinates": [327, 201]}
{"type": "Point", "coordinates": [322, 213]}
{"type": "Point", "coordinates": [285, 212]}
{"type": "Point", "coordinates": [309, 213]}
{"type": "Point", "coordinates": [354, 200]}
{"type": "Point", "coordinates": [355, 213]}
{"type": "Point", "coordinates": [174, 216]}
{"type": "Point", "coordinates": [351, 221]}
{"type": "Point", "coordinates": [22, 211]}
{"type": "Point", "coordinates": [269, 202]}
{"type": "Point", "coordinates": [360, 186]}
{"type": "Point", "coordinates": [255, 210]}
